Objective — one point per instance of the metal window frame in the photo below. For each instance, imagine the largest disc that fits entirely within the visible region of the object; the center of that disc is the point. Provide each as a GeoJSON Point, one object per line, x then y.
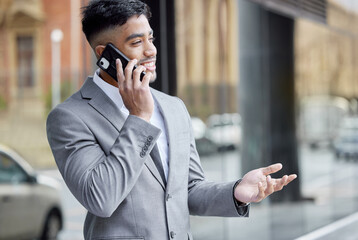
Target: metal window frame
{"type": "Point", "coordinates": [315, 10]}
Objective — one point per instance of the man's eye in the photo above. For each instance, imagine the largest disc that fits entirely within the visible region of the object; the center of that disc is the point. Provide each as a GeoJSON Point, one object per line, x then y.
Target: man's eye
{"type": "Point", "coordinates": [152, 39]}
{"type": "Point", "coordinates": [136, 42]}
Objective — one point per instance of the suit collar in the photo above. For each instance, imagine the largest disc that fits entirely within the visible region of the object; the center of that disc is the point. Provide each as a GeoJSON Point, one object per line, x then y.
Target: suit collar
{"type": "Point", "coordinates": [102, 103]}
{"type": "Point", "coordinates": [89, 89]}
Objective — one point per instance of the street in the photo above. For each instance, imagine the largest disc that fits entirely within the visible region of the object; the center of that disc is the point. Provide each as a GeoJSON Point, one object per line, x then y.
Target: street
{"type": "Point", "coordinates": [330, 183]}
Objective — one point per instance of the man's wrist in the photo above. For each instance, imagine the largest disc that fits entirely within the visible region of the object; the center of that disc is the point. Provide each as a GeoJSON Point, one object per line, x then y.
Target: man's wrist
{"type": "Point", "coordinates": [145, 117]}
{"type": "Point", "coordinates": [241, 207]}
{"type": "Point", "coordinates": [237, 202]}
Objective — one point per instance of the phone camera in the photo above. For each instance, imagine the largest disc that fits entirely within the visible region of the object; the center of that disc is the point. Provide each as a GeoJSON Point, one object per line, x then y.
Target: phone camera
{"type": "Point", "coordinates": [103, 63]}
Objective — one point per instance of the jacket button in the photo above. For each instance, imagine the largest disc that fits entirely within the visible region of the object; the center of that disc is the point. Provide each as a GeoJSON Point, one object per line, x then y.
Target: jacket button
{"type": "Point", "coordinates": [149, 138]}
{"type": "Point", "coordinates": [142, 154]}
{"type": "Point", "coordinates": [172, 234]}
{"type": "Point", "coordinates": [168, 197]}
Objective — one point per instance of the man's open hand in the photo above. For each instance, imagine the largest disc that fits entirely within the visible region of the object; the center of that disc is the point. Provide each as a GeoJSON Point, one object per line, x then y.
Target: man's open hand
{"type": "Point", "coordinates": [257, 184]}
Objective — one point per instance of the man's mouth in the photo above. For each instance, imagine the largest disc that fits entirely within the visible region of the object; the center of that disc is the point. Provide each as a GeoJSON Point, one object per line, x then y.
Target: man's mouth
{"type": "Point", "coordinates": [150, 66]}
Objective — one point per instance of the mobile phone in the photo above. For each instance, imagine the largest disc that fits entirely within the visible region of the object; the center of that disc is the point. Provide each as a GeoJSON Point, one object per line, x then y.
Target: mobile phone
{"type": "Point", "coordinates": [107, 61]}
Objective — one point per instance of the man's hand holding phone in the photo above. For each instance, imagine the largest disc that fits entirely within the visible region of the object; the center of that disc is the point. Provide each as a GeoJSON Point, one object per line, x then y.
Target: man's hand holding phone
{"type": "Point", "coordinates": [135, 93]}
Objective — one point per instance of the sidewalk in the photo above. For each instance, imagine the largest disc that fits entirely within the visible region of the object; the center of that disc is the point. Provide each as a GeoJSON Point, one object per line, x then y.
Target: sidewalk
{"type": "Point", "coordinates": [332, 184]}
{"type": "Point", "coordinates": [345, 228]}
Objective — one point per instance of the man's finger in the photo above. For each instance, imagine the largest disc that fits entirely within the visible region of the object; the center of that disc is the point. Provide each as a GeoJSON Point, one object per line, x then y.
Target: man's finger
{"type": "Point", "coordinates": [284, 180]}
{"type": "Point", "coordinates": [280, 183]}
{"type": "Point", "coordinates": [120, 75]}
{"type": "Point", "coordinates": [271, 169]}
{"type": "Point", "coordinates": [291, 178]}
{"type": "Point", "coordinates": [146, 79]}
{"type": "Point", "coordinates": [261, 194]}
{"type": "Point", "coordinates": [270, 187]}
{"type": "Point", "coordinates": [128, 71]}
{"type": "Point", "coordinates": [136, 75]}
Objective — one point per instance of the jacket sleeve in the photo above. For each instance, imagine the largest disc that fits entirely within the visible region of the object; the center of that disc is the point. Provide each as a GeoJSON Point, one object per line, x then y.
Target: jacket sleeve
{"type": "Point", "coordinates": [206, 198]}
{"type": "Point", "coordinates": [100, 182]}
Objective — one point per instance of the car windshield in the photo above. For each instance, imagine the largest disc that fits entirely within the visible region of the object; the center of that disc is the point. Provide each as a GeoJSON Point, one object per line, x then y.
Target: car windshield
{"type": "Point", "coordinates": [10, 171]}
{"type": "Point", "coordinates": [349, 129]}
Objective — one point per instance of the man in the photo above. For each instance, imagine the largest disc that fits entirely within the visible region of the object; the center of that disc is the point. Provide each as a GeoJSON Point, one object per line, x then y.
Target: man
{"type": "Point", "coordinates": [127, 152]}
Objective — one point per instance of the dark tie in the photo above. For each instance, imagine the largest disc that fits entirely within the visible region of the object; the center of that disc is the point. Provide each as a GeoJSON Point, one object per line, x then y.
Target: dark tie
{"type": "Point", "coordinates": [158, 162]}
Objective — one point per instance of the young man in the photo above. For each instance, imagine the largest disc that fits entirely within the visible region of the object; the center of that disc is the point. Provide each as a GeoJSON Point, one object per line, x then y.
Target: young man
{"type": "Point", "coordinates": [127, 151]}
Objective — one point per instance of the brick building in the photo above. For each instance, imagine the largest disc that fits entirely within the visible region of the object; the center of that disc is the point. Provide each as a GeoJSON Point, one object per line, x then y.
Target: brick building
{"type": "Point", "coordinates": [26, 47]}
{"type": "Point", "coordinates": [26, 69]}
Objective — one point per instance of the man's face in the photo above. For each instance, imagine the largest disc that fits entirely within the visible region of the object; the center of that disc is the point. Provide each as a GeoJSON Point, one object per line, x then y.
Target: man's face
{"type": "Point", "coordinates": [135, 40]}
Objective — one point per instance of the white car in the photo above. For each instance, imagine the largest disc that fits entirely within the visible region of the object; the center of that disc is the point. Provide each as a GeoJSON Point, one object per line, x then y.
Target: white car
{"type": "Point", "coordinates": [346, 143]}
{"type": "Point", "coordinates": [319, 119]}
{"type": "Point", "coordinates": [225, 130]}
{"type": "Point", "coordinates": [199, 127]}
{"type": "Point", "coordinates": [204, 146]}
{"type": "Point", "coordinates": [30, 206]}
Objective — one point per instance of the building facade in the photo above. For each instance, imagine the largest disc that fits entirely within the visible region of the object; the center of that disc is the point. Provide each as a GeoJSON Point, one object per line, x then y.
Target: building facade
{"type": "Point", "coordinates": [26, 48]}
{"type": "Point", "coordinates": [26, 54]}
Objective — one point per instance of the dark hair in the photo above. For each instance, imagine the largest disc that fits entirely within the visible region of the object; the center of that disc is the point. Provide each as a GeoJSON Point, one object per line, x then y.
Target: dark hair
{"type": "Point", "coordinates": [100, 15]}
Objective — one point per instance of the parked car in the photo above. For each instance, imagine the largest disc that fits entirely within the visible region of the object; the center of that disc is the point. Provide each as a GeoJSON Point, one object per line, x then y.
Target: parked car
{"type": "Point", "coordinates": [30, 206]}
{"type": "Point", "coordinates": [204, 146]}
{"type": "Point", "coordinates": [346, 144]}
{"type": "Point", "coordinates": [199, 127]}
{"type": "Point", "coordinates": [319, 119]}
{"type": "Point", "coordinates": [225, 130]}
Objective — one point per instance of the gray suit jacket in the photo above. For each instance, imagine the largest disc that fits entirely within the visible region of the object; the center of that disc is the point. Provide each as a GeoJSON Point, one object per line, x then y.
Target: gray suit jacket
{"type": "Point", "coordinates": [105, 162]}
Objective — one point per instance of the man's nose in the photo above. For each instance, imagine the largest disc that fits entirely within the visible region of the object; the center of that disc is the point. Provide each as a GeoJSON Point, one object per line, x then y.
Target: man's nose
{"type": "Point", "coordinates": [151, 51]}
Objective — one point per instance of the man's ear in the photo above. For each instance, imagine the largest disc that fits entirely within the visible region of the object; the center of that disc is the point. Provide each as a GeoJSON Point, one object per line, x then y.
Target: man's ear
{"type": "Point", "coordinates": [99, 49]}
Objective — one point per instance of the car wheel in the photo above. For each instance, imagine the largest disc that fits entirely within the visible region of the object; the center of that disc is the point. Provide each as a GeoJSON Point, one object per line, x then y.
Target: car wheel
{"type": "Point", "coordinates": [52, 227]}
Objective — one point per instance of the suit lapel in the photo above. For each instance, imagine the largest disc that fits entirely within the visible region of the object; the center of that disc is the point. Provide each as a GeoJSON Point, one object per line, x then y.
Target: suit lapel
{"type": "Point", "coordinates": [108, 109]}
{"type": "Point", "coordinates": [102, 103]}
{"type": "Point", "coordinates": [149, 163]}
{"type": "Point", "coordinates": [170, 118]}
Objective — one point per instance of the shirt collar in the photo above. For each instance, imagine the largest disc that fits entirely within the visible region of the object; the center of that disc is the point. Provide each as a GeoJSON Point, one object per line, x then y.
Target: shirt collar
{"type": "Point", "coordinates": [111, 91]}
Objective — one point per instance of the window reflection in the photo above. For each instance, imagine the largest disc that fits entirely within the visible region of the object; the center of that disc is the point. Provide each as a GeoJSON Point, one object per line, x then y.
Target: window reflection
{"type": "Point", "coordinates": [10, 172]}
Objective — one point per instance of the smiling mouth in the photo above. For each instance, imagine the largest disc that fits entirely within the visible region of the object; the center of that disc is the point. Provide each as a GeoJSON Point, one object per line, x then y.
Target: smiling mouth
{"type": "Point", "coordinates": [150, 66]}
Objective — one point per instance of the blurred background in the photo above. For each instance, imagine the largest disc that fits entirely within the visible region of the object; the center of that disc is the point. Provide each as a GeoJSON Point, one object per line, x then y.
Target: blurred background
{"type": "Point", "coordinates": [265, 81]}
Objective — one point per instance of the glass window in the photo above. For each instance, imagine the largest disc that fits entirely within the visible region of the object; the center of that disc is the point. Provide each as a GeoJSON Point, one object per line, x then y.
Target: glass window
{"type": "Point", "coordinates": [26, 61]}
{"type": "Point", "coordinates": [10, 171]}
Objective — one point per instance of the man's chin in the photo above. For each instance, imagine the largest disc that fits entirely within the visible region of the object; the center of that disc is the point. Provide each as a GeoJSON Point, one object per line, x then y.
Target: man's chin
{"type": "Point", "coordinates": [154, 77]}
